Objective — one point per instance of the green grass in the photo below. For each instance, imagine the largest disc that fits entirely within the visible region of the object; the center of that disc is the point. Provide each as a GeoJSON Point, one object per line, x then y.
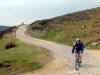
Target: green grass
{"type": "Point", "coordinates": [23, 57]}
{"type": "Point", "coordinates": [66, 31]}
{"type": "Point", "coordinates": [96, 47]}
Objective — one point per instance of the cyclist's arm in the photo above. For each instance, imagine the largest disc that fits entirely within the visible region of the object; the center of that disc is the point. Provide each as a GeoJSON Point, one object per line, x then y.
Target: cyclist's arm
{"type": "Point", "coordinates": [73, 49]}
{"type": "Point", "coordinates": [82, 48]}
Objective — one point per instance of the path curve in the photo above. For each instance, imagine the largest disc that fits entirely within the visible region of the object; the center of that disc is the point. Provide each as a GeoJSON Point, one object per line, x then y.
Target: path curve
{"type": "Point", "coordinates": [90, 66]}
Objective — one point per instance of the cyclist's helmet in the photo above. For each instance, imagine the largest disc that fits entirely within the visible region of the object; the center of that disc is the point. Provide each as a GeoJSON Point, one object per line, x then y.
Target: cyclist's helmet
{"type": "Point", "coordinates": [78, 39]}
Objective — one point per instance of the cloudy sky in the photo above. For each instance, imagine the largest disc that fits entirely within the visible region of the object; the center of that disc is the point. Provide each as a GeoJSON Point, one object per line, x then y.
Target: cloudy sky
{"type": "Point", "coordinates": [13, 12]}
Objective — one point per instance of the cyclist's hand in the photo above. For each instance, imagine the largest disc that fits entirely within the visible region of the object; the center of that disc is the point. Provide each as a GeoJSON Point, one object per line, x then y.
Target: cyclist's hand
{"type": "Point", "coordinates": [80, 55]}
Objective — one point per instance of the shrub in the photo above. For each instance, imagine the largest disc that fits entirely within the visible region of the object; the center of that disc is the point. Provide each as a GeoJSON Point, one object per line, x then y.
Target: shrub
{"type": "Point", "coordinates": [10, 45]}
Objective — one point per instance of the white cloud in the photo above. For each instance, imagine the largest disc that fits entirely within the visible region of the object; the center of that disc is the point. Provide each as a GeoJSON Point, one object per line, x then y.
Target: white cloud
{"type": "Point", "coordinates": [98, 1]}
{"type": "Point", "coordinates": [7, 3]}
{"type": "Point", "coordinates": [12, 11]}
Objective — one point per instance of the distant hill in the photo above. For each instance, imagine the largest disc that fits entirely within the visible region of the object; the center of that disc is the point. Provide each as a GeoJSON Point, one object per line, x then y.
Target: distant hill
{"type": "Point", "coordinates": [2, 28]}
{"type": "Point", "coordinates": [65, 29]}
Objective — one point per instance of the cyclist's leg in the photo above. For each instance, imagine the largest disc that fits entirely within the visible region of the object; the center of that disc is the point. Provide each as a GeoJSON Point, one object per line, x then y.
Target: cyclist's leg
{"type": "Point", "coordinates": [76, 61]}
{"type": "Point", "coordinates": [80, 57]}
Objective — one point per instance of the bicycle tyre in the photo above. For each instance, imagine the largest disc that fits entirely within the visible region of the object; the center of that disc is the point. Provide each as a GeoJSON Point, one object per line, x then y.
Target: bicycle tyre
{"type": "Point", "coordinates": [76, 64]}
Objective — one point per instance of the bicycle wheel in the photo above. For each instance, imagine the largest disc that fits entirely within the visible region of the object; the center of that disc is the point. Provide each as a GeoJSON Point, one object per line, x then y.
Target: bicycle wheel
{"type": "Point", "coordinates": [79, 62]}
{"type": "Point", "coordinates": [76, 64]}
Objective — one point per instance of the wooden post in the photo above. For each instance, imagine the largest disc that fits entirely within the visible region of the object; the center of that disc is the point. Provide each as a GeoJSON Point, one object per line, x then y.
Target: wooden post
{"type": "Point", "coordinates": [84, 32]}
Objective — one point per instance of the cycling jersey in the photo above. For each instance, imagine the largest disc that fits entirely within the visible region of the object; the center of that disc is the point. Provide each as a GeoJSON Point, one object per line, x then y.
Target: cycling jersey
{"type": "Point", "coordinates": [77, 48]}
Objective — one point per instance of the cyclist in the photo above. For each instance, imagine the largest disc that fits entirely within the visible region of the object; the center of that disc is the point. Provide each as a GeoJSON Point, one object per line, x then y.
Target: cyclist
{"type": "Point", "coordinates": [78, 48]}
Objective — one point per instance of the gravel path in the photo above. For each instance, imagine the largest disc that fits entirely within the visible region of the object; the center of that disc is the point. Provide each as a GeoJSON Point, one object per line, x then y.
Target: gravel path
{"type": "Point", "coordinates": [63, 58]}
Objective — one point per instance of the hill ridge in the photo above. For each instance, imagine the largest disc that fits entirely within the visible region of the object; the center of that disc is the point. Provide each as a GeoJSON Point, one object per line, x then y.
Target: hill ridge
{"type": "Point", "coordinates": [65, 29]}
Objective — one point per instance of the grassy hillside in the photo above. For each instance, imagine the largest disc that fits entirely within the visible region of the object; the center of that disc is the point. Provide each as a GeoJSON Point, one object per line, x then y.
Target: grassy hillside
{"type": "Point", "coordinates": [65, 29]}
{"type": "Point", "coordinates": [22, 58]}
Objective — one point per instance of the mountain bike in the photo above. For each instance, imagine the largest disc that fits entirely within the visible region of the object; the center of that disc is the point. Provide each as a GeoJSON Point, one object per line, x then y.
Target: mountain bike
{"type": "Point", "coordinates": [77, 61]}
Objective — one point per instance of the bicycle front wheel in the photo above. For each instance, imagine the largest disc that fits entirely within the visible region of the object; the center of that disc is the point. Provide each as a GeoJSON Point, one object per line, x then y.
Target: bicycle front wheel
{"type": "Point", "coordinates": [76, 64]}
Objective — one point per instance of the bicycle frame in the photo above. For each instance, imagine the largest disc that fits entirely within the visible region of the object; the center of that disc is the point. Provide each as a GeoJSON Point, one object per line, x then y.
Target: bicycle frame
{"type": "Point", "coordinates": [77, 61]}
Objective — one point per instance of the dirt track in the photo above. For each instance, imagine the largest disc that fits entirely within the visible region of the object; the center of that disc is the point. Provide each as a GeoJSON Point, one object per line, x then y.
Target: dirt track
{"type": "Point", "coordinates": [63, 62]}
